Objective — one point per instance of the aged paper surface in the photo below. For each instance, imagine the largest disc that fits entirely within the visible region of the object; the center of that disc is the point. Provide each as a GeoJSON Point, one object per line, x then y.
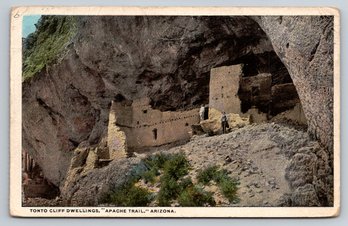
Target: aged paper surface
{"type": "Point", "coordinates": [308, 181]}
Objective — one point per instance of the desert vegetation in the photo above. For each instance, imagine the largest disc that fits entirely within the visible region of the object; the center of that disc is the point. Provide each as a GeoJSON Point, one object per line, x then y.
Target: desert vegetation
{"type": "Point", "coordinates": [44, 46]}
{"type": "Point", "coordinates": [169, 173]}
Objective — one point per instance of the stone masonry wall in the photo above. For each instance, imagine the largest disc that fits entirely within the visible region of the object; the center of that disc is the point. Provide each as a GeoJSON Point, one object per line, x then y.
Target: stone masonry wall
{"type": "Point", "coordinates": [116, 137]}
{"type": "Point", "coordinates": [256, 91]}
{"type": "Point", "coordinates": [223, 88]}
{"type": "Point", "coordinates": [147, 127]}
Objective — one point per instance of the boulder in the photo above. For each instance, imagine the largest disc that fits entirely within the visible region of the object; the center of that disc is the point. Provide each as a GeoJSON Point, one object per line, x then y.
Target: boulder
{"type": "Point", "coordinates": [197, 129]}
{"type": "Point", "coordinates": [213, 124]}
{"type": "Point", "coordinates": [88, 188]}
{"type": "Point", "coordinates": [305, 196]}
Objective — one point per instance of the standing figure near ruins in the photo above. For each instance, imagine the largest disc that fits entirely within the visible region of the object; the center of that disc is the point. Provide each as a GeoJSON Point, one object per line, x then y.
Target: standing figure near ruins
{"type": "Point", "coordinates": [201, 112]}
{"type": "Point", "coordinates": [224, 123]}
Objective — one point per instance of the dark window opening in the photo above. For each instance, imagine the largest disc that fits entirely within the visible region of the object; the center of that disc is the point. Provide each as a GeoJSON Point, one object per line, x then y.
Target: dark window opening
{"type": "Point", "coordinates": [206, 113]}
{"type": "Point", "coordinates": [186, 124]}
{"type": "Point", "coordinates": [144, 111]}
{"type": "Point", "coordinates": [138, 122]}
{"type": "Point", "coordinates": [154, 132]}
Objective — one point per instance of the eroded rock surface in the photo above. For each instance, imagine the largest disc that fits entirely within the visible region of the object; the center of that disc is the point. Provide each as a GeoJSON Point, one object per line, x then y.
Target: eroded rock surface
{"type": "Point", "coordinates": [305, 46]}
{"type": "Point", "coordinates": [87, 188]}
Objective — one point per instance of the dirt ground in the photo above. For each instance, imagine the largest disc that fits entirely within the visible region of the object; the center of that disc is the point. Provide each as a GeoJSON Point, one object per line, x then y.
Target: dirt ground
{"type": "Point", "coordinates": [256, 155]}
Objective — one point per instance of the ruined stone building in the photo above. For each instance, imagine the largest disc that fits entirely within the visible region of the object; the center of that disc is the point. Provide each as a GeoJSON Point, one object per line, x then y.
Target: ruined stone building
{"type": "Point", "coordinates": [223, 88]}
{"type": "Point", "coordinates": [135, 125]}
{"type": "Point", "coordinates": [28, 162]}
{"type": "Point", "coordinates": [34, 183]}
{"type": "Point", "coordinates": [233, 92]}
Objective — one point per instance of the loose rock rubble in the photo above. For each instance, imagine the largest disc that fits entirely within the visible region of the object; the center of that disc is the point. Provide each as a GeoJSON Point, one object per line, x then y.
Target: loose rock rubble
{"type": "Point", "coordinates": [270, 162]}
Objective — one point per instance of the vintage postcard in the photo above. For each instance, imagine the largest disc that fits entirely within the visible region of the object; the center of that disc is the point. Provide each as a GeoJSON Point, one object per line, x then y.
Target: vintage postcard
{"type": "Point", "coordinates": [175, 112]}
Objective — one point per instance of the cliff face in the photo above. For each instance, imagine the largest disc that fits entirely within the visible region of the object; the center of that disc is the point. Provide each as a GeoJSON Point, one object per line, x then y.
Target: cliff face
{"type": "Point", "coordinates": [305, 46]}
{"type": "Point", "coordinates": [167, 59]}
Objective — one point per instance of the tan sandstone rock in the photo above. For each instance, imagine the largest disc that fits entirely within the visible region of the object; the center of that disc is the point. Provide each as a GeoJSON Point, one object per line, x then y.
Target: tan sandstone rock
{"type": "Point", "coordinates": [213, 124]}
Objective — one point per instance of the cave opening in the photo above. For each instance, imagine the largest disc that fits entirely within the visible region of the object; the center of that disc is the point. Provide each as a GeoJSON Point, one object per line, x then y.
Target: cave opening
{"type": "Point", "coordinates": [271, 97]}
{"type": "Point", "coordinates": [265, 84]}
{"type": "Point", "coordinates": [222, 44]}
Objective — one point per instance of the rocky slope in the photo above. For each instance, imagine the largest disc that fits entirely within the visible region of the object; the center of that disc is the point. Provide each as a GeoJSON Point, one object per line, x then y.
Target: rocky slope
{"type": "Point", "coordinates": [276, 165]}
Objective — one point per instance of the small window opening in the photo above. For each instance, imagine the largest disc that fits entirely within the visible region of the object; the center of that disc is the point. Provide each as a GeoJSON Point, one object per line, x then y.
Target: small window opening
{"type": "Point", "coordinates": [154, 131]}
{"type": "Point", "coordinates": [144, 111]}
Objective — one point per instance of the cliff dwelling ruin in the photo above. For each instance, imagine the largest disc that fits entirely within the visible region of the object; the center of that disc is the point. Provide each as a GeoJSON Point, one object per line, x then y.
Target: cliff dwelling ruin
{"type": "Point", "coordinates": [137, 85]}
{"type": "Point", "coordinates": [36, 185]}
{"type": "Point", "coordinates": [233, 91]}
{"type": "Point", "coordinates": [136, 126]}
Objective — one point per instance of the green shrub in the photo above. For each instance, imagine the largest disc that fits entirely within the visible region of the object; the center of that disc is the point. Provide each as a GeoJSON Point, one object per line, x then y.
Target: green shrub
{"type": "Point", "coordinates": [169, 190]}
{"type": "Point", "coordinates": [174, 168]}
{"type": "Point", "coordinates": [228, 188]}
{"type": "Point", "coordinates": [47, 43]}
{"type": "Point", "coordinates": [153, 164]}
{"type": "Point", "coordinates": [221, 175]}
{"type": "Point", "coordinates": [184, 183]}
{"type": "Point", "coordinates": [195, 196]}
{"type": "Point", "coordinates": [150, 176]}
{"type": "Point", "coordinates": [158, 160]}
{"type": "Point", "coordinates": [137, 171]}
{"type": "Point", "coordinates": [130, 195]}
{"type": "Point", "coordinates": [227, 185]}
{"type": "Point", "coordinates": [177, 166]}
{"type": "Point", "coordinates": [208, 174]}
